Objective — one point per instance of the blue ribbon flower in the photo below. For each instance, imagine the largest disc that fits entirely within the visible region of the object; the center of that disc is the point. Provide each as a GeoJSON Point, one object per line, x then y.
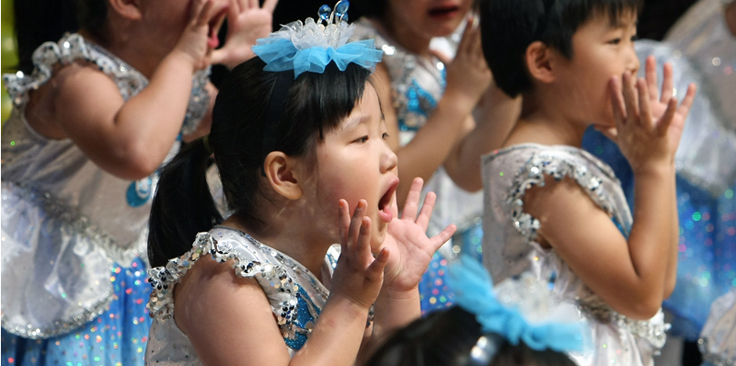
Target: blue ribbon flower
{"type": "Point", "coordinates": [474, 292]}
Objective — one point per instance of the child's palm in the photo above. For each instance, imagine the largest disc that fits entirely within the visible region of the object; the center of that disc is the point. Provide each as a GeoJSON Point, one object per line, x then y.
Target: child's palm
{"type": "Point", "coordinates": [648, 126]}
{"type": "Point", "coordinates": [410, 249]}
{"type": "Point", "coordinates": [247, 22]}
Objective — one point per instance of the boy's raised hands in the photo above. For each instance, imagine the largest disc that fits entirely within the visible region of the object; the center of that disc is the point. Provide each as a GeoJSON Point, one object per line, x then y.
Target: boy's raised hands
{"type": "Point", "coordinates": [648, 125]}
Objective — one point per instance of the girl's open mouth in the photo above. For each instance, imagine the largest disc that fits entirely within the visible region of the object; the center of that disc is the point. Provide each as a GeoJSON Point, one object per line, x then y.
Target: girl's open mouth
{"type": "Point", "coordinates": [444, 12]}
{"type": "Point", "coordinates": [384, 205]}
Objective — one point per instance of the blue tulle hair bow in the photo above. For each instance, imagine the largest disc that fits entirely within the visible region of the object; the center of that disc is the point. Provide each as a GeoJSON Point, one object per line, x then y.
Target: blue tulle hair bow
{"type": "Point", "coordinates": [310, 46]}
{"type": "Point", "coordinates": [473, 288]}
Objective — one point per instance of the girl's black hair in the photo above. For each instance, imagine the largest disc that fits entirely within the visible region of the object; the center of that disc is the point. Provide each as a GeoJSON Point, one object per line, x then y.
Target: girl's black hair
{"type": "Point", "coordinates": [446, 338]}
{"type": "Point", "coordinates": [315, 104]}
{"type": "Point", "coordinates": [508, 27]}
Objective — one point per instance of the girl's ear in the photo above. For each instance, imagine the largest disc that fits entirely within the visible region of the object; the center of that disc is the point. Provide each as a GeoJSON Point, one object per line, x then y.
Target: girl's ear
{"type": "Point", "coordinates": [540, 62]}
{"type": "Point", "coordinates": [128, 9]}
{"type": "Point", "coordinates": [282, 176]}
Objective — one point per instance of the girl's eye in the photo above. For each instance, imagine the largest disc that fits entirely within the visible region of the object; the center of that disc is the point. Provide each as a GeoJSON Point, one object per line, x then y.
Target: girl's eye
{"type": "Point", "coordinates": [385, 136]}
{"type": "Point", "coordinates": [362, 139]}
{"type": "Point", "coordinates": [615, 41]}
{"type": "Point", "coordinates": [634, 38]}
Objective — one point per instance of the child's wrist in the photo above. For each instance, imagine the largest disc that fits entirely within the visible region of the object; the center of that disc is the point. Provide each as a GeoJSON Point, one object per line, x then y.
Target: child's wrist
{"type": "Point", "coordinates": [654, 168]}
{"type": "Point", "coordinates": [392, 293]}
{"type": "Point", "coordinates": [458, 101]}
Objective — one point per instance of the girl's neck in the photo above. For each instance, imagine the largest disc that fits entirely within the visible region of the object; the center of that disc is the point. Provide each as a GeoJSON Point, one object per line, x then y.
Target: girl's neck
{"type": "Point", "coordinates": [415, 43]}
{"type": "Point", "coordinates": [288, 239]}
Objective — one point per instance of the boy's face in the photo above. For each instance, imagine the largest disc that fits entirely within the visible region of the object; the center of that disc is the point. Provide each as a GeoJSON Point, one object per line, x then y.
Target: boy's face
{"type": "Point", "coordinates": [354, 162]}
{"type": "Point", "coordinates": [600, 51]}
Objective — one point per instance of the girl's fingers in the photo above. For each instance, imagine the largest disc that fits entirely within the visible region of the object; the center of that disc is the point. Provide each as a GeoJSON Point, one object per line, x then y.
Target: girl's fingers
{"type": "Point", "coordinates": [411, 207]}
{"type": "Point", "coordinates": [651, 75]}
{"type": "Point", "coordinates": [443, 237]}
{"type": "Point", "coordinates": [201, 11]}
{"type": "Point", "coordinates": [355, 224]}
{"type": "Point", "coordinates": [687, 102]}
{"type": "Point", "coordinates": [427, 207]}
{"type": "Point", "coordinates": [617, 103]}
{"type": "Point", "coordinates": [375, 269]}
{"type": "Point", "coordinates": [270, 5]}
{"type": "Point", "coordinates": [664, 123]}
{"type": "Point", "coordinates": [251, 4]}
{"type": "Point", "coordinates": [344, 212]}
{"type": "Point", "coordinates": [667, 84]}
{"type": "Point", "coordinates": [467, 34]}
{"type": "Point", "coordinates": [630, 98]}
{"type": "Point", "coordinates": [363, 244]}
{"type": "Point", "coordinates": [645, 110]}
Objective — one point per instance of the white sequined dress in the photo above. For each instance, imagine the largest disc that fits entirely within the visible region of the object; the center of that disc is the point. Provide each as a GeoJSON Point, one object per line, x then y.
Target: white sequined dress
{"type": "Point", "coordinates": [296, 295]}
{"type": "Point", "coordinates": [65, 221]}
{"type": "Point", "coordinates": [510, 249]}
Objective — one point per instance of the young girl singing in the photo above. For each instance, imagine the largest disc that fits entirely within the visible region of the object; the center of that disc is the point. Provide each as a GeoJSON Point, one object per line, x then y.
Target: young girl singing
{"type": "Point", "coordinates": [299, 140]}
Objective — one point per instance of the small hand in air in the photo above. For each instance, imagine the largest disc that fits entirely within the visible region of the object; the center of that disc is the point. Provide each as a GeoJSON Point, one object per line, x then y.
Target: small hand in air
{"type": "Point", "coordinates": [196, 42]}
{"type": "Point", "coordinates": [468, 74]}
{"type": "Point", "coordinates": [410, 250]}
{"type": "Point", "coordinates": [648, 126]}
{"type": "Point", "coordinates": [358, 276]}
{"type": "Point", "coordinates": [246, 23]}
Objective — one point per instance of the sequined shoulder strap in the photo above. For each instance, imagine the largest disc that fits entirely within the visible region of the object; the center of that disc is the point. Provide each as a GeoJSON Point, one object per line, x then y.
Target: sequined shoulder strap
{"type": "Point", "coordinates": [246, 263]}
{"type": "Point", "coordinates": [70, 48]}
{"type": "Point", "coordinates": [557, 164]}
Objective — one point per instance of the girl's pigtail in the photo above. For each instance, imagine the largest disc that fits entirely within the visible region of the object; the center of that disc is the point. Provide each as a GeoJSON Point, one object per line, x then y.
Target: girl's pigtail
{"type": "Point", "coordinates": [183, 205]}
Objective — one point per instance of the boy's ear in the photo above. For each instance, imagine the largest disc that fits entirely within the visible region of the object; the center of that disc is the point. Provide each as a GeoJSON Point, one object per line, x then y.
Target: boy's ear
{"type": "Point", "coordinates": [129, 9]}
{"type": "Point", "coordinates": [282, 175]}
{"type": "Point", "coordinates": [539, 61]}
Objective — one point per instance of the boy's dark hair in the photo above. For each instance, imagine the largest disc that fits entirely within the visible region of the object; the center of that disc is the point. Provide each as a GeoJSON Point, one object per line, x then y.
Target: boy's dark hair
{"type": "Point", "coordinates": [92, 16]}
{"type": "Point", "coordinates": [508, 27]}
{"type": "Point", "coordinates": [313, 104]}
{"type": "Point", "coordinates": [446, 338]}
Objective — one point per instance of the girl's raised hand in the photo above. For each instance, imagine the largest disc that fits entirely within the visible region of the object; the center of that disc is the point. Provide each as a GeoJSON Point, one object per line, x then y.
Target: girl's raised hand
{"type": "Point", "coordinates": [196, 43]}
{"type": "Point", "coordinates": [468, 74]}
{"type": "Point", "coordinates": [410, 250]}
{"type": "Point", "coordinates": [358, 276]}
{"type": "Point", "coordinates": [648, 126]}
{"type": "Point", "coordinates": [246, 23]}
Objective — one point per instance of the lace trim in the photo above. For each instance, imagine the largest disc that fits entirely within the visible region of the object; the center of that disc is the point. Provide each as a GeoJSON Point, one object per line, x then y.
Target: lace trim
{"type": "Point", "coordinates": [710, 358]}
{"type": "Point", "coordinates": [80, 224]}
{"type": "Point", "coordinates": [532, 174]}
{"type": "Point", "coordinates": [60, 326]}
{"type": "Point", "coordinates": [129, 81]}
{"type": "Point", "coordinates": [69, 49]}
{"type": "Point", "coordinates": [163, 279]}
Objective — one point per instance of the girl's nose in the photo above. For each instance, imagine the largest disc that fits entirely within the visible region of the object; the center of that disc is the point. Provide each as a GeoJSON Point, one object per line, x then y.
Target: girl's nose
{"type": "Point", "coordinates": [389, 160]}
{"type": "Point", "coordinates": [632, 62]}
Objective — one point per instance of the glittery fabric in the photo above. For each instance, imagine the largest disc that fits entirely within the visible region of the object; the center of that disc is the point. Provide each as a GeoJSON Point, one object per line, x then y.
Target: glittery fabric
{"type": "Point", "coordinates": [116, 338]}
{"type": "Point", "coordinates": [510, 248]}
{"type": "Point", "coordinates": [296, 296]}
{"type": "Point", "coordinates": [65, 220]}
{"type": "Point", "coordinates": [417, 84]}
{"type": "Point", "coordinates": [706, 180]}
{"type": "Point", "coordinates": [718, 339]}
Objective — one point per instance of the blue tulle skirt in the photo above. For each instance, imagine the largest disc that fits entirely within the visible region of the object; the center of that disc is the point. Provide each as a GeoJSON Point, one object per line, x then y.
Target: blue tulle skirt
{"type": "Point", "coordinates": [117, 337]}
{"type": "Point", "coordinates": [707, 245]}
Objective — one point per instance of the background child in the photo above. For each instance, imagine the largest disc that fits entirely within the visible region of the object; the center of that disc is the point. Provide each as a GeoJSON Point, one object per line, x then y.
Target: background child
{"type": "Point", "coordinates": [556, 211]}
{"type": "Point", "coordinates": [490, 326]}
{"type": "Point", "coordinates": [294, 151]}
{"type": "Point", "coordinates": [89, 128]}
{"type": "Point", "coordinates": [430, 126]}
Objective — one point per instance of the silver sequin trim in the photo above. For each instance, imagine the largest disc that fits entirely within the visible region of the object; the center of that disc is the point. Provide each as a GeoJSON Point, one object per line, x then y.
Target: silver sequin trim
{"type": "Point", "coordinates": [163, 279]}
{"type": "Point", "coordinates": [532, 174]}
{"type": "Point", "coordinates": [712, 358]}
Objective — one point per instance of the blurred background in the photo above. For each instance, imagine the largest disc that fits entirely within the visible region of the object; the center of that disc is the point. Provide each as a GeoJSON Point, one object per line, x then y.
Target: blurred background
{"type": "Point", "coordinates": [28, 23]}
